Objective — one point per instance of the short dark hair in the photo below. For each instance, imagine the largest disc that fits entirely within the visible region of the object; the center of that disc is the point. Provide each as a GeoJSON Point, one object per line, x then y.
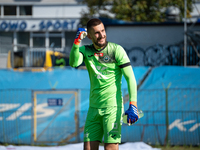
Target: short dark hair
{"type": "Point", "coordinates": [93, 22]}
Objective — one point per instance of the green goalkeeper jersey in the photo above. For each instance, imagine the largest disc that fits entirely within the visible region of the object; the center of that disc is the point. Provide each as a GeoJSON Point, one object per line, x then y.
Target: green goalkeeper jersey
{"type": "Point", "coordinates": [104, 68]}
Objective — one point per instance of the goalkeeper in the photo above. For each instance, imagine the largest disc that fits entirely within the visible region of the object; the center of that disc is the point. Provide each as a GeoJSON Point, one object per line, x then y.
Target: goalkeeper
{"type": "Point", "coordinates": [105, 62]}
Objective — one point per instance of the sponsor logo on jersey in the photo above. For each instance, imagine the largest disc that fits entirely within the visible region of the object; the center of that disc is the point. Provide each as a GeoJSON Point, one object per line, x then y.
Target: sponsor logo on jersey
{"type": "Point", "coordinates": [98, 54]}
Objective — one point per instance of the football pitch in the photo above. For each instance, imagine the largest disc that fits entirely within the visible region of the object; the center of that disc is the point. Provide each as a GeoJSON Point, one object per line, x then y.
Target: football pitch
{"type": "Point", "coordinates": [178, 147]}
{"type": "Point", "coordinates": [78, 146]}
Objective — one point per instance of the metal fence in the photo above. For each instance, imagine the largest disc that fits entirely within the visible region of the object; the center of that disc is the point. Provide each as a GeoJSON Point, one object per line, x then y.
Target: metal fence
{"type": "Point", "coordinates": [5, 44]}
{"type": "Point", "coordinates": [179, 125]}
{"type": "Point", "coordinates": [22, 56]}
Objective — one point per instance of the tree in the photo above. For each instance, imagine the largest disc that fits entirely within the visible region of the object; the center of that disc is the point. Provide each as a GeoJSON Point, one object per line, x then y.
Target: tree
{"type": "Point", "coordinates": [96, 8]}
{"type": "Point", "coordinates": [134, 10]}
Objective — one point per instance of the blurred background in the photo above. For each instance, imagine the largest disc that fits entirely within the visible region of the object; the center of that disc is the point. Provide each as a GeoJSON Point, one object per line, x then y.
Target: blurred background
{"type": "Point", "coordinates": [45, 101]}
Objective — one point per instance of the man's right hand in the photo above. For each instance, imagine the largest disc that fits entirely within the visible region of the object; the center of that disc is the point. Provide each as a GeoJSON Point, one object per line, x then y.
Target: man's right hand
{"type": "Point", "coordinates": [81, 34]}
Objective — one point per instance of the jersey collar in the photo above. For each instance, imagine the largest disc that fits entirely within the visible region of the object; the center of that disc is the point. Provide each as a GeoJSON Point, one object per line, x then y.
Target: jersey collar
{"type": "Point", "coordinates": [100, 49]}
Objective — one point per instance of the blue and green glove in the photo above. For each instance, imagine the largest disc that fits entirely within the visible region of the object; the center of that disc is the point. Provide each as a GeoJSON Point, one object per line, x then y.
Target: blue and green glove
{"type": "Point", "coordinates": [132, 113]}
{"type": "Point", "coordinates": [81, 34]}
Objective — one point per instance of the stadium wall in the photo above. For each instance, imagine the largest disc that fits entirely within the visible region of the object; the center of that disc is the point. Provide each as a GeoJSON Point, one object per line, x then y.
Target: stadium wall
{"type": "Point", "coordinates": [50, 107]}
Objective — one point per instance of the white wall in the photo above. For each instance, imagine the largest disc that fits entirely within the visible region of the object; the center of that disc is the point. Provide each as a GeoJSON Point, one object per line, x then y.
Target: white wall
{"type": "Point", "coordinates": [144, 36]}
{"type": "Point", "coordinates": [57, 11]}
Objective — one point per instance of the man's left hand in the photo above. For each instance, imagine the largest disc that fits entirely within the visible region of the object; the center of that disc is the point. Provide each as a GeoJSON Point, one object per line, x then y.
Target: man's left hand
{"type": "Point", "coordinates": [132, 114]}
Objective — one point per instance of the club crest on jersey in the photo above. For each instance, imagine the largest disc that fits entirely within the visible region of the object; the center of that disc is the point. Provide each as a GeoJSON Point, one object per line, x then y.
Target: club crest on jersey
{"type": "Point", "coordinates": [98, 54]}
{"type": "Point", "coordinates": [106, 58]}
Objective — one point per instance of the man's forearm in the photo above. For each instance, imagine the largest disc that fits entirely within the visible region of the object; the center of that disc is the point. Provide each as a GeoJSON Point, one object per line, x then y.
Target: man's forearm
{"type": "Point", "coordinates": [131, 82]}
{"type": "Point", "coordinates": [132, 112]}
{"type": "Point", "coordinates": [75, 58]}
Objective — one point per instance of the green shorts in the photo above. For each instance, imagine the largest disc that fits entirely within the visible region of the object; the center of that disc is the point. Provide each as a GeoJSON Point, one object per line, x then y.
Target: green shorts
{"type": "Point", "coordinates": [103, 122]}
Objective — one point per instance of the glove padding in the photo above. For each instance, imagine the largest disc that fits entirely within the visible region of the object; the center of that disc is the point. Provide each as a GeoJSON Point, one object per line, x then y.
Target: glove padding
{"type": "Point", "coordinates": [81, 34]}
{"type": "Point", "coordinates": [132, 114]}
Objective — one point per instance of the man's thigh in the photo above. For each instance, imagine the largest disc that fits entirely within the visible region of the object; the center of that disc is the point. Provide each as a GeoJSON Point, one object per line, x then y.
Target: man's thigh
{"type": "Point", "coordinates": [112, 125]}
{"type": "Point", "coordinates": [93, 130]}
{"type": "Point", "coordinates": [103, 122]}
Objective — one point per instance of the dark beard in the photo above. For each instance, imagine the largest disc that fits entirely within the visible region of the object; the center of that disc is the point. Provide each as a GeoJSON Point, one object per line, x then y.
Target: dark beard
{"type": "Point", "coordinates": [101, 45]}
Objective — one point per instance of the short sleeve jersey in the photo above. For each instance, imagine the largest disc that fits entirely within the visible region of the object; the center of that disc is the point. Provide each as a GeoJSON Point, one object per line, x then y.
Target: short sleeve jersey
{"type": "Point", "coordinates": [104, 68]}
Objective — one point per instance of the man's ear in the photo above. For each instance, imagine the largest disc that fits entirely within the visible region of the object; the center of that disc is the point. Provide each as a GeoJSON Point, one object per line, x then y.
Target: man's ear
{"type": "Point", "coordinates": [89, 36]}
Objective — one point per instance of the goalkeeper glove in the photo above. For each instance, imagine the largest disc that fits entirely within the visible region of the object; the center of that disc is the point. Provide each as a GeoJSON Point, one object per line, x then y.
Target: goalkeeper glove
{"type": "Point", "coordinates": [81, 34]}
{"type": "Point", "coordinates": [132, 113]}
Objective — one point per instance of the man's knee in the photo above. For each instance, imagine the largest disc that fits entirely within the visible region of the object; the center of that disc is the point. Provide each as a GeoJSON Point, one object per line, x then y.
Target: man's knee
{"type": "Point", "coordinates": [86, 146]}
{"type": "Point", "coordinates": [92, 145]}
{"type": "Point", "coordinates": [111, 146]}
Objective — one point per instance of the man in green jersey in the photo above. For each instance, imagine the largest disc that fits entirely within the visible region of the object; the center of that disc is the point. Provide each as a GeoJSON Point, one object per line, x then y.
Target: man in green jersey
{"type": "Point", "coordinates": [106, 62]}
{"type": "Point", "coordinates": [60, 61]}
